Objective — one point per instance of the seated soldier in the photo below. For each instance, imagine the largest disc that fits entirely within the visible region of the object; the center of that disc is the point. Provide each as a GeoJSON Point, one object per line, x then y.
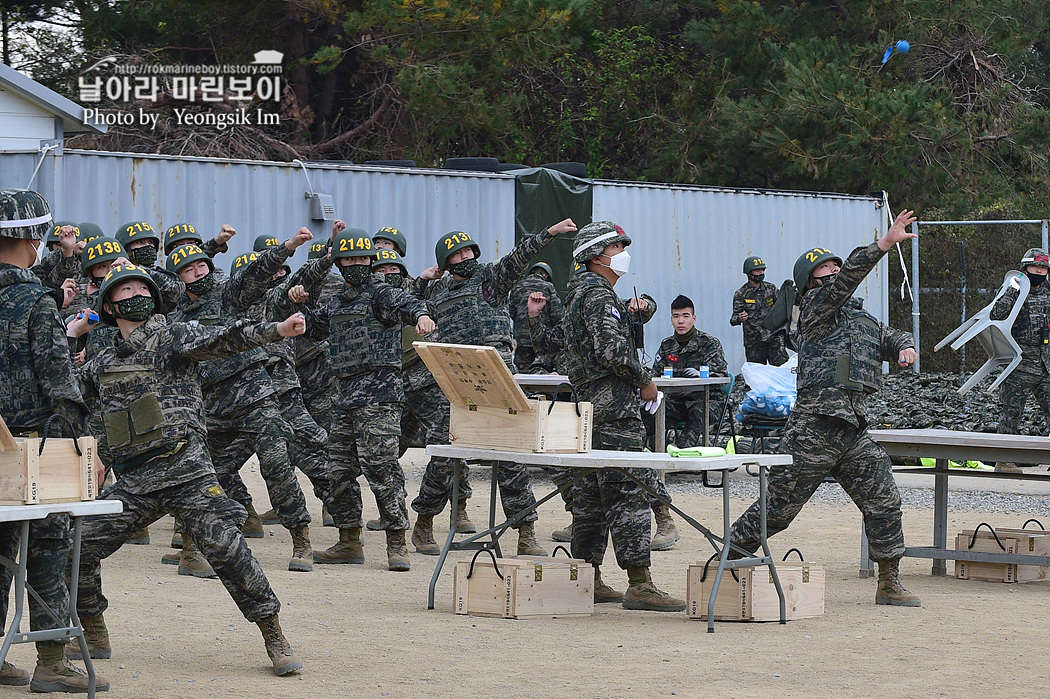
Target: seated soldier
{"type": "Point", "coordinates": [684, 353]}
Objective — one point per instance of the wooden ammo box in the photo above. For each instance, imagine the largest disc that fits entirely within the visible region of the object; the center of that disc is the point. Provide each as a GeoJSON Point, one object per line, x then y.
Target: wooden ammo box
{"type": "Point", "coordinates": [751, 594]}
{"type": "Point", "coordinates": [58, 474]}
{"type": "Point", "coordinates": [531, 587]}
{"type": "Point", "coordinates": [1020, 541]}
{"type": "Point", "coordinates": [490, 411]}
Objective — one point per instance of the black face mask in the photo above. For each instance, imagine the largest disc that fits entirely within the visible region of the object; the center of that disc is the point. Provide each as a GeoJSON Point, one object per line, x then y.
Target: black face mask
{"type": "Point", "coordinates": [825, 280]}
{"type": "Point", "coordinates": [202, 285]}
{"type": "Point", "coordinates": [136, 308]}
{"type": "Point", "coordinates": [144, 256]}
{"type": "Point", "coordinates": [464, 268]}
{"type": "Point", "coordinates": [757, 278]}
{"type": "Point", "coordinates": [1036, 279]}
{"type": "Point", "coordinates": [355, 275]}
{"type": "Point", "coordinates": [394, 278]}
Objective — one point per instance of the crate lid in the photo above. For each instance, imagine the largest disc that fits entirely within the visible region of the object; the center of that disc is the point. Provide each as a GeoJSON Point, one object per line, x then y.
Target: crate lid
{"type": "Point", "coordinates": [472, 375]}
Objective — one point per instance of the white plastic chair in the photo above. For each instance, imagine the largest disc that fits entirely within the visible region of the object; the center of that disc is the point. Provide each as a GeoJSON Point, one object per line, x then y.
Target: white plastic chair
{"type": "Point", "coordinates": [994, 335]}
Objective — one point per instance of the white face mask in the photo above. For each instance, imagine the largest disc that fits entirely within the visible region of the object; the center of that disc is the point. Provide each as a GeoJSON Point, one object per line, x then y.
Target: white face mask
{"type": "Point", "coordinates": [620, 263]}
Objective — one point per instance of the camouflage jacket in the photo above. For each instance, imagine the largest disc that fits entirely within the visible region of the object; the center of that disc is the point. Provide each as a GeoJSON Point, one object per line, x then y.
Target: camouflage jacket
{"type": "Point", "coordinates": [757, 303]}
{"type": "Point", "coordinates": [1031, 325]}
{"type": "Point", "coordinates": [238, 380]}
{"type": "Point", "coordinates": [701, 350]}
{"type": "Point", "coordinates": [36, 375]}
{"type": "Point", "coordinates": [518, 305]}
{"type": "Point", "coordinates": [822, 315]}
{"type": "Point", "coordinates": [172, 359]}
{"type": "Point", "coordinates": [305, 348]}
{"type": "Point", "coordinates": [53, 269]}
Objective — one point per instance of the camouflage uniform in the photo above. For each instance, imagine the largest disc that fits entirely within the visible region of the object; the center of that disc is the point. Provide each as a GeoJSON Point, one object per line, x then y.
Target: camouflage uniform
{"type": "Point", "coordinates": [239, 398]}
{"type": "Point", "coordinates": [312, 361]}
{"type": "Point", "coordinates": [827, 431]}
{"type": "Point", "coordinates": [700, 349]}
{"type": "Point", "coordinates": [166, 467]}
{"type": "Point", "coordinates": [1032, 375]}
{"type": "Point", "coordinates": [518, 305]}
{"type": "Point", "coordinates": [760, 345]}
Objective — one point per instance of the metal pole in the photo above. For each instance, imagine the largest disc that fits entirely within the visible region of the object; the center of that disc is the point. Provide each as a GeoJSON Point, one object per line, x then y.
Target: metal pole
{"type": "Point", "coordinates": [1046, 226]}
{"type": "Point", "coordinates": [915, 293]}
{"type": "Point", "coordinates": [962, 266]}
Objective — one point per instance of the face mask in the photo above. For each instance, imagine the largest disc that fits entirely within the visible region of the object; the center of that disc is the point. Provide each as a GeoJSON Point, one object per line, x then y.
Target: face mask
{"type": "Point", "coordinates": [464, 268]}
{"type": "Point", "coordinates": [202, 285]}
{"type": "Point", "coordinates": [620, 263]}
{"type": "Point", "coordinates": [144, 256]}
{"type": "Point", "coordinates": [355, 275]}
{"type": "Point", "coordinates": [826, 279]}
{"type": "Point", "coordinates": [394, 278]}
{"type": "Point", "coordinates": [1036, 279]}
{"type": "Point", "coordinates": [757, 278]}
{"type": "Point", "coordinates": [136, 308]}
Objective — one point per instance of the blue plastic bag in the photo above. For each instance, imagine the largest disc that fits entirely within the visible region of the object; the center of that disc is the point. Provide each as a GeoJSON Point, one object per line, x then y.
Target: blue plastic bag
{"type": "Point", "coordinates": [772, 391]}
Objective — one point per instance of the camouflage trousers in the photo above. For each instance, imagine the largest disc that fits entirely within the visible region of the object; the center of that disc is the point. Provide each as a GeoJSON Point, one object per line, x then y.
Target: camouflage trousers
{"type": "Point", "coordinates": [210, 518]}
{"type": "Point", "coordinates": [606, 502]}
{"type": "Point", "coordinates": [308, 448]}
{"type": "Point", "coordinates": [562, 477]}
{"type": "Point", "coordinates": [430, 408]}
{"type": "Point", "coordinates": [364, 440]}
{"type": "Point", "coordinates": [769, 352]}
{"type": "Point", "coordinates": [690, 410]}
{"type": "Point", "coordinates": [259, 430]}
{"type": "Point", "coordinates": [50, 543]}
{"type": "Point", "coordinates": [1029, 377]}
{"type": "Point", "coordinates": [315, 377]}
{"type": "Point", "coordinates": [821, 446]}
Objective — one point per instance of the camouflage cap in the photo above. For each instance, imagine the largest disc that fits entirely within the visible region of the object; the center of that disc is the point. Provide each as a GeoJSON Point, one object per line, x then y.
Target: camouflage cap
{"type": "Point", "coordinates": [56, 226]}
{"type": "Point", "coordinates": [388, 257]}
{"type": "Point", "coordinates": [594, 237]}
{"type": "Point", "coordinates": [24, 214]}
{"type": "Point", "coordinates": [1036, 257]}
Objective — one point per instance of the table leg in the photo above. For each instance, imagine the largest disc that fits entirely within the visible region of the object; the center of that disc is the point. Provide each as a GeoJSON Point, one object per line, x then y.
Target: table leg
{"type": "Point", "coordinates": [74, 618]}
{"type": "Point", "coordinates": [705, 440]}
{"type": "Point", "coordinates": [15, 628]}
{"type": "Point", "coordinates": [940, 514]}
{"type": "Point", "coordinates": [492, 507]}
{"type": "Point", "coordinates": [867, 566]}
{"type": "Point", "coordinates": [660, 438]}
{"type": "Point", "coordinates": [723, 557]}
{"type": "Point", "coordinates": [763, 476]}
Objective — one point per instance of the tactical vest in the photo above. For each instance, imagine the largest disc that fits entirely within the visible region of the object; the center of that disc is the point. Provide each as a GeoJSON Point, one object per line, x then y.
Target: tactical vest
{"type": "Point", "coordinates": [211, 312]}
{"type": "Point", "coordinates": [25, 407]}
{"type": "Point", "coordinates": [850, 358]}
{"type": "Point", "coordinates": [583, 364]}
{"type": "Point", "coordinates": [464, 317]}
{"type": "Point", "coordinates": [141, 414]}
{"type": "Point", "coordinates": [358, 341]}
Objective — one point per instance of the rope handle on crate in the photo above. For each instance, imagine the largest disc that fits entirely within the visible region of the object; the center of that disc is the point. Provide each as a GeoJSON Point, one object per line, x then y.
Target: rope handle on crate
{"type": "Point", "coordinates": [1027, 522]}
{"type": "Point", "coordinates": [47, 429]}
{"type": "Point", "coordinates": [559, 547]}
{"type": "Point", "coordinates": [495, 566]}
{"type": "Point", "coordinates": [575, 398]}
{"type": "Point", "coordinates": [789, 552]}
{"type": "Point", "coordinates": [716, 554]}
{"type": "Point", "coordinates": [973, 539]}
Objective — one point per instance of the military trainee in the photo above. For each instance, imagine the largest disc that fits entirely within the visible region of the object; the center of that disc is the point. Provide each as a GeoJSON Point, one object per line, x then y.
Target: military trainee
{"type": "Point", "coordinates": [148, 384]}
{"type": "Point", "coordinates": [36, 382]}
{"type": "Point", "coordinates": [1031, 329]}
{"type": "Point", "coordinates": [470, 307]}
{"type": "Point", "coordinates": [751, 303]}
{"type": "Point", "coordinates": [538, 279]}
{"type": "Point", "coordinates": [841, 350]}
{"type": "Point", "coordinates": [604, 369]}
{"type": "Point", "coordinates": [363, 327]}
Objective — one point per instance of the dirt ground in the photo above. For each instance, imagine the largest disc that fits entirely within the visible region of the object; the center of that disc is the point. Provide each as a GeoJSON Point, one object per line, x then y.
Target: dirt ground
{"type": "Point", "coordinates": [362, 631]}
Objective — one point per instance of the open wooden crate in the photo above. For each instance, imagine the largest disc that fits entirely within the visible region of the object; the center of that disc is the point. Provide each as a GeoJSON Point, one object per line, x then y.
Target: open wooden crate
{"type": "Point", "coordinates": [58, 474]}
{"type": "Point", "coordinates": [490, 411]}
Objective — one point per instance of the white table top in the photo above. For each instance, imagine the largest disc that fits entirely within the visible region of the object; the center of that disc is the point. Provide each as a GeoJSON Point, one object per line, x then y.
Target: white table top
{"type": "Point", "coordinates": [20, 513]}
{"type": "Point", "coordinates": [597, 458]}
{"type": "Point", "coordinates": [669, 385]}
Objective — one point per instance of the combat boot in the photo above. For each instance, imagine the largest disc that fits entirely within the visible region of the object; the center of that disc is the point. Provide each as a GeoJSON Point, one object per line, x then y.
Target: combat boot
{"type": "Point", "coordinates": [643, 594]}
{"type": "Point", "coordinates": [270, 517]}
{"type": "Point", "coordinates": [890, 591]}
{"type": "Point", "coordinates": [302, 554]}
{"type": "Point", "coordinates": [253, 528]}
{"type": "Point", "coordinates": [277, 646]}
{"type": "Point", "coordinates": [97, 637]}
{"type": "Point", "coordinates": [327, 520]}
{"type": "Point", "coordinates": [602, 592]}
{"type": "Point", "coordinates": [562, 534]}
{"type": "Point", "coordinates": [666, 532]}
{"type": "Point", "coordinates": [54, 673]}
{"type": "Point", "coordinates": [348, 550]}
{"type": "Point", "coordinates": [13, 676]}
{"type": "Point", "coordinates": [375, 525]}
{"type": "Point", "coordinates": [176, 538]}
{"type": "Point", "coordinates": [397, 551]}
{"type": "Point", "coordinates": [463, 523]}
{"type": "Point", "coordinates": [192, 561]}
{"type": "Point", "coordinates": [1007, 467]}
{"type": "Point", "coordinates": [527, 544]}
{"type": "Point", "coordinates": [139, 537]}
{"type": "Point", "coordinates": [423, 536]}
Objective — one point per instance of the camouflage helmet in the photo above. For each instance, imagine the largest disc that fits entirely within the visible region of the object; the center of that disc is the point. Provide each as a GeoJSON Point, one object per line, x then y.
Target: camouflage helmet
{"type": "Point", "coordinates": [89, 231]}
{"type": "Point", "coordinates": [752, 263]}
{"type": "Point", "coordinates": [394, 236]}
{"type": "Point", "coordinates": [99, 250]}
{"type": "Point", "coordinates": [181, 234]}
{"type": "Point", "coordinates": [24, 214]}
{"type": "Point", "coordinates": [450, 243]}
{"type": "Point", "coordinates": [133, 231]}
{"type": "Point", "coordinates": [119, 274]}
{"type": "Point", "coordinates": [351, 242]}
{"type": "Point", "coordinates": [1035, 257]}
{"type": "Point", "coordinates": [809, 261]}
{"type": "Point", "coordinates": [318, 249]}
{"type": "Point", "coordinates": [388, 257]}
{"type": "Point", "coordinates": [241, 262]}
{"type": "Point", "coordinates": [184, 255]}
{"type": "Point", "coordinates": [265, 242]}
{"type": "Point", "coordinates": [545, 267]}
{"type": "Point", "coordinates": [56, 226]}
{"type": "Point", "coordinates": [593, 238]}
